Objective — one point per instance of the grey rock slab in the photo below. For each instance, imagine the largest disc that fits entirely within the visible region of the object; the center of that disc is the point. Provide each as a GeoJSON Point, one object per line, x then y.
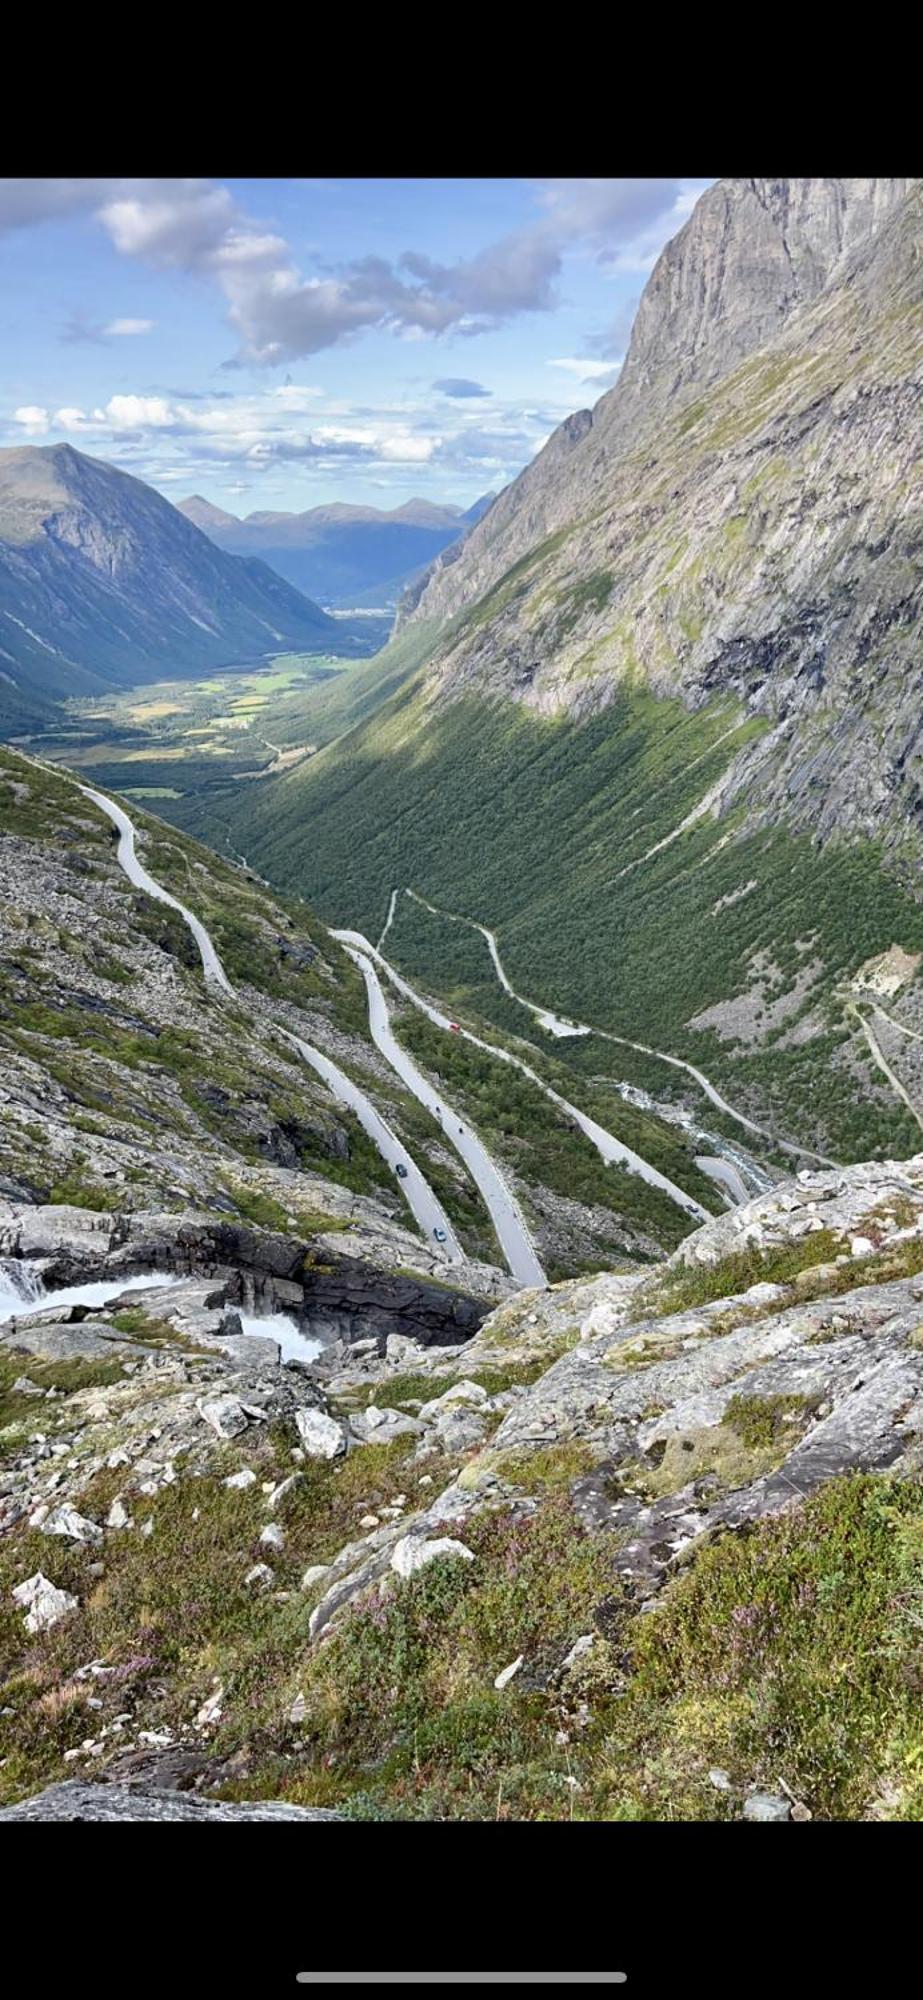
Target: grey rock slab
{"type": "Point", "coordinates": [375, 1425]}
{"type": "Point", "coordinates": [414, 1553]}
{"type": "Point", "coordinates": [77, 1801]}
{"type": "Point", "coordinates": [225, 1414]}
{"type": "Point", "coordinates": [766, 1806]}
{"type": "Point", "coordinates": [66, 1521]}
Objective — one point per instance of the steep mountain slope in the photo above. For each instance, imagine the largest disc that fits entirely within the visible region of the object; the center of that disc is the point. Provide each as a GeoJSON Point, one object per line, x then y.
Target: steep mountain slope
{"type": "Point", "coordinates": [102, 582]}
{"type": "Point", "coordinates": [752, 254]}
{"type": "Point", "coordinates": [107, 1024]}
{"type": "Point", "coordinates": [341, 554]}
{"type": "Point", "coordinates": [765, 544]}
{"type": "Point", "coordinates": [125, 1082]}
{"type": "Point", "coordinates": [663, 733]}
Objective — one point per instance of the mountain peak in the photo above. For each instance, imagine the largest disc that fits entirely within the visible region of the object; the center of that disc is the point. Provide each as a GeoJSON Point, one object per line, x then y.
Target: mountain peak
{"type": "Point", "coordinates": [204, 514]}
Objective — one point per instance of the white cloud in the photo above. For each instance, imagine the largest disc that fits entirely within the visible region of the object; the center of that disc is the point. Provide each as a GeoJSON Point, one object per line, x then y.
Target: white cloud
{"type": "Point", "coordinates": [406, 450]}
{"type": "Point", "coordinates": [137, 413]}
{"type": "Point", "coordinates": [72, 420]}
{"type": "Point", "coordinates": [586, 371]}
{"type": "Point", "coordinates": [119, 328]}
{"type": "Point", "coordinates": [33, 419]}
{"type": "Point", "coordinates": [278, 315]}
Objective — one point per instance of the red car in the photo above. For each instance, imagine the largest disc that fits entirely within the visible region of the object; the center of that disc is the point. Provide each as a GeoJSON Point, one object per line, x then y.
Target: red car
{"type": "Point", "coordinates": [455, 1027]}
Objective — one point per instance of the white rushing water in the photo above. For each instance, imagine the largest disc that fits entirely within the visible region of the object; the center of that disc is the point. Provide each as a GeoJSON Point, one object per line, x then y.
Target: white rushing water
{"type": "Point", "coordinates": [22, 1291]}
{"type": "Point", "coordinates": [294, 1345]}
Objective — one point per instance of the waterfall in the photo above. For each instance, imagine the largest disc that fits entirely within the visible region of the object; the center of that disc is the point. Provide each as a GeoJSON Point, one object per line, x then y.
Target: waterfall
{"type": "Point", "coordinates": [19, 1285]}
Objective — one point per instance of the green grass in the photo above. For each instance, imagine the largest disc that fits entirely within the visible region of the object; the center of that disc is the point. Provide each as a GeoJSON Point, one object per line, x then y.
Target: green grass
{"type": "Point", "coordinates": [527, 823]}
{"type": "Point", "coordinates": [698, 1284]}
{"type": "Point", "coordinates": [64, 1376]}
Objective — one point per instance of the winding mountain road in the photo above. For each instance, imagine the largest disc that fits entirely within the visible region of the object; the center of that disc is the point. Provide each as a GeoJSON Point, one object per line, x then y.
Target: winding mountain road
{"type": "Point", "coordinates": [558, 1026]}
{"type": "Point", "coordinates": [611, 1149]}
{"type": "Point", "coordinates": [503, 1208]}
{"type": "Point", "coordinates": [427, 1211]}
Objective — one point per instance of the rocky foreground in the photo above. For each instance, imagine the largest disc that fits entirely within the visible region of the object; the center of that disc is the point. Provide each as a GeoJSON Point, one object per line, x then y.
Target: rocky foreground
{"type": "Point", "coordinates": [638, 1547]}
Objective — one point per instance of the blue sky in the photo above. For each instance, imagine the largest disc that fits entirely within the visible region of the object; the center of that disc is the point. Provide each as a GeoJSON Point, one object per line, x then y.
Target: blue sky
{"type": "Point", "coordinates": [281, 344]}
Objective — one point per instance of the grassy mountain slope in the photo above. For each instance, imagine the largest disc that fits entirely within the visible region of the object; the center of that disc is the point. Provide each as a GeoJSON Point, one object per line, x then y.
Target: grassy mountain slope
{"type": "Point", "coordinates": [527, 824]}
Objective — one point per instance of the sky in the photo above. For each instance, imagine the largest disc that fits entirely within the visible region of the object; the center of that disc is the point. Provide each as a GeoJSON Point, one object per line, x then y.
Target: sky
{"type": "Point", "coordinates": [281, 344]}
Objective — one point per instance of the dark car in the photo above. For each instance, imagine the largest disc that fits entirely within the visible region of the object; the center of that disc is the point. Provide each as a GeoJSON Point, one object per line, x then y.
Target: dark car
{"type": "Point", "coordinates": [401, 1172]}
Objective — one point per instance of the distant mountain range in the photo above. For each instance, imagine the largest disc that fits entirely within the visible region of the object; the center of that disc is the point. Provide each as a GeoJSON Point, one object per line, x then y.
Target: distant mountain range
{"type": "Point", "coordinates": [343, 556]}
{"type": "Point", "coordinates": [103, 582]}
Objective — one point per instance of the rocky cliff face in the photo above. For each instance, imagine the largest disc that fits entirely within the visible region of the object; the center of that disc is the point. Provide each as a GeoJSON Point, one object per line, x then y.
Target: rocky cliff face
{"type": "Point", "coordinates": [741, 514]}
{"type": "Point", "coordinates": [752, 253]}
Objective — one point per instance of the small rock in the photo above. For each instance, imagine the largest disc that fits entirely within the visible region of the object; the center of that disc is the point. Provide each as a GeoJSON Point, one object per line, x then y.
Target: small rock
{"type": "Point", "coordinates": [225, 1414]}
{"type": "Point", "coordinates": [245, 1477]}
{"type": "Point", "coordinates": [766, 1805]}
{"type": "Point", "coordinates": [579, 1647]}
{"type": "Point", "coordinates": [273, 1537]}
{"type": "Point", "coordinates": [314, 1575]}
{"type": "Point", "coordinates": [380, 1426]}
{"type": "Point", "coordinates": [369, 1521]}
{"type": "Point", "coordinates": [719, 1779]}
{"type": "Point", "coordinates": [460, 1392]}
{"type": "Point", "coordinates": [24, 1387]}
{"type": "Point", "coordinates": [260, 1577]}
{"type": "Point", "coordinates": [147, 1527]}
{"type": "Point", "coordinates": [210, 1711]}
{"type": "Point", "coordinates": [503, 1679]}
{"type": "Point", "coordinates": [298, 1710]}
{"type": "Point", "coordinates": [66, 1521]}
{"type": "Point", "coordinates": [412, 1553]}
{"type": "Point", "coordinates": [286, 1486]}
{"type": "Point", "coordinates": [861, 1246]}
{"type": "Point", "coordinates": [322, 1436]}
{"type": "Point", "coordinates": [45, 1604]}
